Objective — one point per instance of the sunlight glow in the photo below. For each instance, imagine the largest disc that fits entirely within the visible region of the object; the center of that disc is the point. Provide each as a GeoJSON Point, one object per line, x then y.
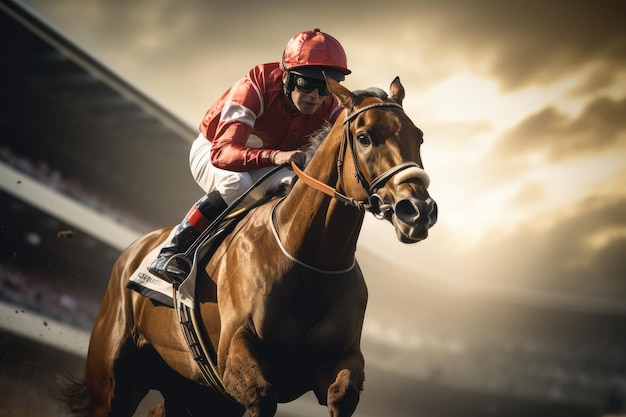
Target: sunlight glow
{"type": "Point", "coordinates": [468, 100]}
{"type": "Point", "coordinates": [467, 97]}
{"type": "Point", "coordinates": [602, 238]}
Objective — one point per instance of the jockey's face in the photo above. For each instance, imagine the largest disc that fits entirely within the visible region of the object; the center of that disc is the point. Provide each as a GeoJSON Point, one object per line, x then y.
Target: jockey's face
{"type": "Point", "coordinates": [306, 103]}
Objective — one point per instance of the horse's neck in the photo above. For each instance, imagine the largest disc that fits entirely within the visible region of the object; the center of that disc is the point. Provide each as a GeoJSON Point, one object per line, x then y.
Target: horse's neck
{"type": "Point", "coordinates": [319, 229]}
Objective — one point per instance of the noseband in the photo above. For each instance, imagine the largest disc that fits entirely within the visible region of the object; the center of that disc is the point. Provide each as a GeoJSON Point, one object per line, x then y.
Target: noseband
{"type": "Point", "coordinates": [375, 203]}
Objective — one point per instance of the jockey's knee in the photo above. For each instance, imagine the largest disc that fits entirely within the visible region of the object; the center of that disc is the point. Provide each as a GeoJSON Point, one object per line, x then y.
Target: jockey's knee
{"type": "Point", "coordinates": [233, 185]}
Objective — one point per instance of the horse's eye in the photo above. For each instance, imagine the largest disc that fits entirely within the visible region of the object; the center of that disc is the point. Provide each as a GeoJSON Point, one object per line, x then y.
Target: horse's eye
{"type": "Point", "coordinates": [363, 139]}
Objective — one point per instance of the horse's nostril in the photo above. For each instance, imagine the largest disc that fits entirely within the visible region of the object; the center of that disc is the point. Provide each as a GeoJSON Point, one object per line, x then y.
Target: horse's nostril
{"type": "Point", "coordinates": [414, 211]}
{"type": "Point", "coordinates": [433, 212]}
{"type": "Point", "coordinates": [410, 210]}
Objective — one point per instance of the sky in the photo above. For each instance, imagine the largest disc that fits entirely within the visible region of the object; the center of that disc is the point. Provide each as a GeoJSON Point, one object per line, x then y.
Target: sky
{"type": "Point", "coordinates": [523, 105]}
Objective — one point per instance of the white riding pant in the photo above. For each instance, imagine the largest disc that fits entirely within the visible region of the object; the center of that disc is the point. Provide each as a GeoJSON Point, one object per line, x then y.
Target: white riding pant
{"type": "Point", "coordinates": [231, 184]}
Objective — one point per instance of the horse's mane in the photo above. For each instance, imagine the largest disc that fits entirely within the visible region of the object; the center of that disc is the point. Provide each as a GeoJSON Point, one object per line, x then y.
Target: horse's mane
{"type": "Point", "coordinates": [318, 136]}
{"type": "Point", "coordinates": [316, 140]}
{"type": "Point", "coordinates": [372, 92]}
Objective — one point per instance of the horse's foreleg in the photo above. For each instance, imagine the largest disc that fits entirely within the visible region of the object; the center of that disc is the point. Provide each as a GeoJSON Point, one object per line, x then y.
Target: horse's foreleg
{"type": "Point", "coordinates": [104, 346]}
{"type": "Point", "coordinates": [111, 373]}
{"type": "Point", "coordinates": [157, 411]}
{"type": "Point", "coordinates": [343, 392]}
{"type": "Point", "coordinates": [243, 377]}
{"type": "Point", "coordinates": [112, 381]}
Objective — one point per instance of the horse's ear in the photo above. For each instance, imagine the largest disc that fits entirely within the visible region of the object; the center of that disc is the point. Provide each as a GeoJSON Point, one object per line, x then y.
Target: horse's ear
{"type": "Point", "coordinates": [345, 96]}
{"type": "Point", "coordinates": [396, 91]}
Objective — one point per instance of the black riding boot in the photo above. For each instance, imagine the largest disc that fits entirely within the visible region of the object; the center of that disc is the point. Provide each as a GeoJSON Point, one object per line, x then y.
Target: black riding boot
{"type": "Point", "coordinates": [195, 222]}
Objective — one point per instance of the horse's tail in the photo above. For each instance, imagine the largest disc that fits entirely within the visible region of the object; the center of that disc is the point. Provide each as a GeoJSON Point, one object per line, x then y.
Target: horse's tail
{"type": "Point", "coordinates": [73, 396]}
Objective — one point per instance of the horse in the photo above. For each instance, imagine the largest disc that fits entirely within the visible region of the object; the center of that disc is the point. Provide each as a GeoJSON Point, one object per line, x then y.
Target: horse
{"type": "Point", "coordinates": [282, 299]}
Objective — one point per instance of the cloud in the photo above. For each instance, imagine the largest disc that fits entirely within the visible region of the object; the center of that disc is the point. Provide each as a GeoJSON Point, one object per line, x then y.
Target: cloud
{"type": "Point", "coordinates": [530, 195]}
{"type": "Point", "coordinates": [559, 137]}
{"type": "Point", "coordinates": [602, 78]}
{"type": "Point", "coordinates": [560, 254]}
{"type": "Point", "coordinates": [524, 43]}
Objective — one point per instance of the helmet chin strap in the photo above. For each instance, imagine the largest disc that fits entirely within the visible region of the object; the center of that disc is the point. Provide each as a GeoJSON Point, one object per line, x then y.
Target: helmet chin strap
{"type": "Point", "coordinates": [288, 84]}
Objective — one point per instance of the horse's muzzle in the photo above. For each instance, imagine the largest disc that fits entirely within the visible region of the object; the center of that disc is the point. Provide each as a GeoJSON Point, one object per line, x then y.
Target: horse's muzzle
{"type": "Point", "coordinates": [414, 217]}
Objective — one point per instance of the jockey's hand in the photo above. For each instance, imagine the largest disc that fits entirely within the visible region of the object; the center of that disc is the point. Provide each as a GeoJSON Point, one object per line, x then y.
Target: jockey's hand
{"type": "Point", "coordinates": [286, 157]}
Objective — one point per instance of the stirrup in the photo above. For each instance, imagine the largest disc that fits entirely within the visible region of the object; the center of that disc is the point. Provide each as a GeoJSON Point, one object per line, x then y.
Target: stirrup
{"type": "Point", "coordinates": [173, 271]}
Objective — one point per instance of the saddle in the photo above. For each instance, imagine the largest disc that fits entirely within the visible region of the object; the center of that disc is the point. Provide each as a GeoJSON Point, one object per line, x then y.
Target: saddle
{"type": "Point", "coordinates": [160, 291]}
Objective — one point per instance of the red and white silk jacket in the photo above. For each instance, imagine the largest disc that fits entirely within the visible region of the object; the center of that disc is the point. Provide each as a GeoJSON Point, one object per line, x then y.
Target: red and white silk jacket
{"type": "Point", "coordinates": [256, 105]}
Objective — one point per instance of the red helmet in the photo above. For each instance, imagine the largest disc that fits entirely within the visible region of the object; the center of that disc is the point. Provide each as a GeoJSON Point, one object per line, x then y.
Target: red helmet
{"type": "Point", "coordinates": [310, 53]}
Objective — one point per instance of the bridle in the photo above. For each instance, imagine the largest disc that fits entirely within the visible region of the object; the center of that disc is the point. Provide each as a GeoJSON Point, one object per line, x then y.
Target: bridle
{"type": "Point", "coordinates": [374, 203]}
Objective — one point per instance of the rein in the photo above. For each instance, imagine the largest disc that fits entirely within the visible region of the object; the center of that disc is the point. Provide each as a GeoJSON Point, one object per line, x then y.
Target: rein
{"type": "Point", "coordinates": [327, 189]}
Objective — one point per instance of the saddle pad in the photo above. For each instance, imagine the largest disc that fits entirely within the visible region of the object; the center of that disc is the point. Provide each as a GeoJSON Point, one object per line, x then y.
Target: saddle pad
{"type": "Point", "coordinates": [161, 291]}
{"type": "Point", "coordinates": [150, 285]}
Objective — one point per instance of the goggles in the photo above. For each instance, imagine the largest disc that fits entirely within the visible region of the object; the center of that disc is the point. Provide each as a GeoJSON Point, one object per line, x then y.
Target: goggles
{"type": "Point", "coordinates": [306, 85]}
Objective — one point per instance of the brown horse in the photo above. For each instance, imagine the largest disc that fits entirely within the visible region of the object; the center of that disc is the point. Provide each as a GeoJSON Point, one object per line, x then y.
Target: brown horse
{"type": "Point", "coordinates": [282, 299]}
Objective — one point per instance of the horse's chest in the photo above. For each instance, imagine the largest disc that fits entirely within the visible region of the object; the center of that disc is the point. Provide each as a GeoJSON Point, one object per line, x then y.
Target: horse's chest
{"type": "Point", "coordinates": [294, 346]}
{"type": "Point", "coordinates": [312, 327]}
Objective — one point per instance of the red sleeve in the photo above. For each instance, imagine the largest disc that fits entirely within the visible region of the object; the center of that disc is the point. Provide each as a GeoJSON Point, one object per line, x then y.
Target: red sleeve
{"type": "Point", "coordinates": [240, 109]}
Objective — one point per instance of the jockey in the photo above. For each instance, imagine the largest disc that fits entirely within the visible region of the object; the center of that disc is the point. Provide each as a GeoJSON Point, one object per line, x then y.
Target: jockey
{"type": "Point", "coordinates": [264, 120]}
